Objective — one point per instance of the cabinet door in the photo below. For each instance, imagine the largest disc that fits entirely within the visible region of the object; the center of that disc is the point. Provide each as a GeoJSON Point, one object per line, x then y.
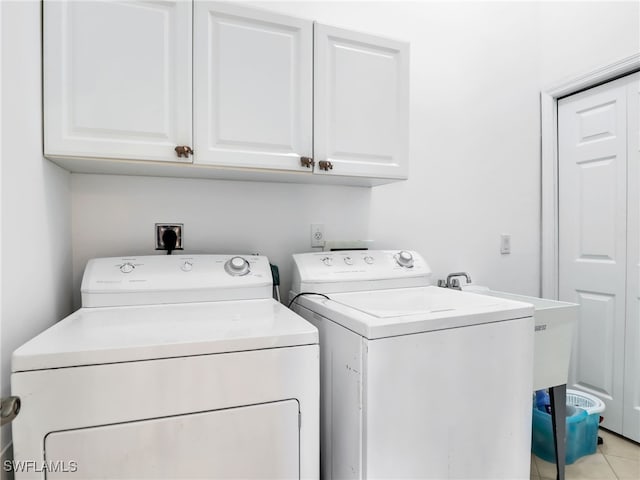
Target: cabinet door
{"type": "Point", "coordinates": [117, 79]}
{"type": "Point", "coordinates": [252, 88]}
{"type": "Point", "coordinates": [361, 101]}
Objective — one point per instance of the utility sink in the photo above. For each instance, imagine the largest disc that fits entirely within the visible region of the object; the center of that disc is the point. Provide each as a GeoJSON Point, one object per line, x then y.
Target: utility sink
{"type": "Point", "coordinates": [555, 323]}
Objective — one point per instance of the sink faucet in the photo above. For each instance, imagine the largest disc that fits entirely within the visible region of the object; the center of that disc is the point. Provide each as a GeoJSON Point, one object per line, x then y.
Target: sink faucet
{"type": "Point", "coordinates": [453, 282]}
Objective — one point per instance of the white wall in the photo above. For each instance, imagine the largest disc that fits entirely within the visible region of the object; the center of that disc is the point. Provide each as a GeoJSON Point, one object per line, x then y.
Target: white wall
{"type": "Point", "coordinates": [575, 39]}
{"type": "Point", "coordinates": [35, 249]}
{"type": "Point", "coordinates": [115, 215]}
{"type": "Point", "coordinates": [475, 147]}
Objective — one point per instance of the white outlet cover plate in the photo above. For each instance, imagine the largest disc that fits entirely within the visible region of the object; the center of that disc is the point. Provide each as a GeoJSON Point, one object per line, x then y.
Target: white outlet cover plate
{"type": "Point", "coordinates": [505, 243]}
{"type": "Point", "coordinates": [317, 235]}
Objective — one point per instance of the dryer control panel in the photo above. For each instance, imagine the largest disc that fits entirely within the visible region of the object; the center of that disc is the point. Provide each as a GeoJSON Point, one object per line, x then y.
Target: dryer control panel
{"type": "Point", "coordinates": [162, 279]}
{"type": "Point", "coordinates": [350, 271]}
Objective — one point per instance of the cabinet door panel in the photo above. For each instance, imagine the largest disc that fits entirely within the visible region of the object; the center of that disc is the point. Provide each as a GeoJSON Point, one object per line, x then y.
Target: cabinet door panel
{"type": "Point", "coordinates": [253, 87]}
{"type": "Point", "coordinates": [361, 96]}
{"type": "Point", "coordinates": [117, 79]}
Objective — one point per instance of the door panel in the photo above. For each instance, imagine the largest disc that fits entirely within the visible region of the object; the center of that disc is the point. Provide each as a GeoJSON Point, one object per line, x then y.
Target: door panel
{"type": "Point", "coordinates": [117, 79]}
{"type": "Point", "coordinates": [361, 99]}
{"type": "Point", "coordinates": [596, 342]}
{"type": "Point", "coordinates": [597, 209]}
{"type": "Point", "coordinates": [597, 123]}
{"type": "Point", "coordinates": [631, 427]}
{"type": "Point", "coordinates": [592, 228]}
{"type": "Point", "coordinates": [253, 87]}
{"type": "Point", "coordinates": [258, 441]}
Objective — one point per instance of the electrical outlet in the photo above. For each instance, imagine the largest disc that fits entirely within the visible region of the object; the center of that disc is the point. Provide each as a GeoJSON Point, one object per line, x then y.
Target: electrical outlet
{"type": "Point", "coordinates": [505, 244]}
{"type": "Point", "coordinates": [161, 228]}
{"type": "Point", "coordinates": [317, 235]}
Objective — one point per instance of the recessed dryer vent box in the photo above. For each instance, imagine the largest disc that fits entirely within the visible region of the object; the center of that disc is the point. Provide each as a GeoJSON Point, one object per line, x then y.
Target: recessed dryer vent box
{"type": "Point", "coordinates": [161, 228]}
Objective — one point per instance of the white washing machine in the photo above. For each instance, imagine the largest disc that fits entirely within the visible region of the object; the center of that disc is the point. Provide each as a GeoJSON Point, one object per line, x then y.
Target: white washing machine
{"type": "Point", "coordinates": [175, 367]}
{"type": "Point", "coordinates": [416, 381]}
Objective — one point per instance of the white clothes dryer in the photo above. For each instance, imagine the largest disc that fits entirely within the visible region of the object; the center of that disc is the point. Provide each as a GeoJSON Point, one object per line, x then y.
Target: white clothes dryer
{"type": "Point", "coordinates": [417, 381]}
{"type": "Point", "coordinates": [177, 366]}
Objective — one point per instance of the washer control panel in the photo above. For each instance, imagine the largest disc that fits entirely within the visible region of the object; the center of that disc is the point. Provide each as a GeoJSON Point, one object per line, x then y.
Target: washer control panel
{"type": "Point", "coordinates": [175, 279]}
{"type": "Point", "coordinates": [358, 270]}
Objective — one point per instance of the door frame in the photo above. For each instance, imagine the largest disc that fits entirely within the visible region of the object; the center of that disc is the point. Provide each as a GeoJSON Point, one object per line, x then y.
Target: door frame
{"type": "Point", "coordinates": [549, 228]}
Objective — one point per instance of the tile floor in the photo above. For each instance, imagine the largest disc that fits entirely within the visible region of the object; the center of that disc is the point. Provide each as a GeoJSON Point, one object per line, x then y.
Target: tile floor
{"type": "Point", "coordinates": [616, 459]}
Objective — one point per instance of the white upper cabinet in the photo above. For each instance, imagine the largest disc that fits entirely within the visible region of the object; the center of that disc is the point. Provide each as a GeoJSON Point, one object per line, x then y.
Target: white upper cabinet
{"type": "Point", "coordinates": [244, 93]}
{"type": "Point", "coordinates": [252, 87]}
{"type": "Point", "coordinates": [117, 79]}
{"type": "Point", "coordinates": [361, 101]}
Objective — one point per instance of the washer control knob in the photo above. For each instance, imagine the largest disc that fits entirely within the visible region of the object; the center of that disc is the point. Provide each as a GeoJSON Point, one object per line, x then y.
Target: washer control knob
{"type": "Point", "coordinates": [237, 266]}
{"type": "Point", "coordinates": [187, 266]}
{"type": "Point", "coordinates": [348, 260]}
{"type": "Point", "coordinates": [404, 259]}
{"type": "Point", "coordinates": [127, 267]}
{"type": "Point", "coordinates": [328, 261]}
{"type": "Point", "coordinates": [368, 260]}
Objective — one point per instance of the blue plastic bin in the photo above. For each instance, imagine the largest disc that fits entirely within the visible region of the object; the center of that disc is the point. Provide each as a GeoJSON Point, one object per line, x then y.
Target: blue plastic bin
{"type": "Point", "coordinates": [583, 418]}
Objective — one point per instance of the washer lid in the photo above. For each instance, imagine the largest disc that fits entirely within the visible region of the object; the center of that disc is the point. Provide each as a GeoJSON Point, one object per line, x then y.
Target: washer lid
{"type": "Point", "coordinates": [402, 311]}
{"type": "Point", "coordinates": [122, 334]}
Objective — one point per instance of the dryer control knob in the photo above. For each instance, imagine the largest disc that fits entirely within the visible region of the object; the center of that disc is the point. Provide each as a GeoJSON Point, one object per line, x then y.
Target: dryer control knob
{"type": "Point", "coordinates": [127, 267]}
{"type": "Point", "coordinates": [187, 266]}
{"type": "Point", "coordinates": [368, 260]}
{"type": "Point", "coordinates": [404, 259]}
{"type": "Point", "coordinates": [237, 266]}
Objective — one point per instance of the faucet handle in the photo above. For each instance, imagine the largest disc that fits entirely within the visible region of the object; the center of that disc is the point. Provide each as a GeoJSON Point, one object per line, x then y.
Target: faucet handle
{"type": "Point", "coordinates": [453, 282]}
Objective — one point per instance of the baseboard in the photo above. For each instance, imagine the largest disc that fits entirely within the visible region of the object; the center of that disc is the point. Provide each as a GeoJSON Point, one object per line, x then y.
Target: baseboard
{"type": "Point", "coordinates": [6, 456]}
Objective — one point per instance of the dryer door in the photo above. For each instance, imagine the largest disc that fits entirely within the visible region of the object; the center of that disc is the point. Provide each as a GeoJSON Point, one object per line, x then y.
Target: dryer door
{"type": "Point", "coordinates": [256, 441]}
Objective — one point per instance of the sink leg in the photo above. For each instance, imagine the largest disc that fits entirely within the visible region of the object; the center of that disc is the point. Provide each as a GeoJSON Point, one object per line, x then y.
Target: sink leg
{"type": "Point", "coordinates": [558, 397]}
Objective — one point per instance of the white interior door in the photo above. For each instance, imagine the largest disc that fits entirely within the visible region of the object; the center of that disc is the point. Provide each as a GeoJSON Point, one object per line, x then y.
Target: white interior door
{"type": "Point", "coordinates": [117, 79]}
{"type": "Point", "coordinates": [592, 237]}
{"type": "Point", "coordinates": [252, 87]}
{"type": "Point", "coordinates": [631, 417]}
{"type": "Point", "coordinates": [361, 104]}
{"type": "Point", "coordinates": [253, 442]}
